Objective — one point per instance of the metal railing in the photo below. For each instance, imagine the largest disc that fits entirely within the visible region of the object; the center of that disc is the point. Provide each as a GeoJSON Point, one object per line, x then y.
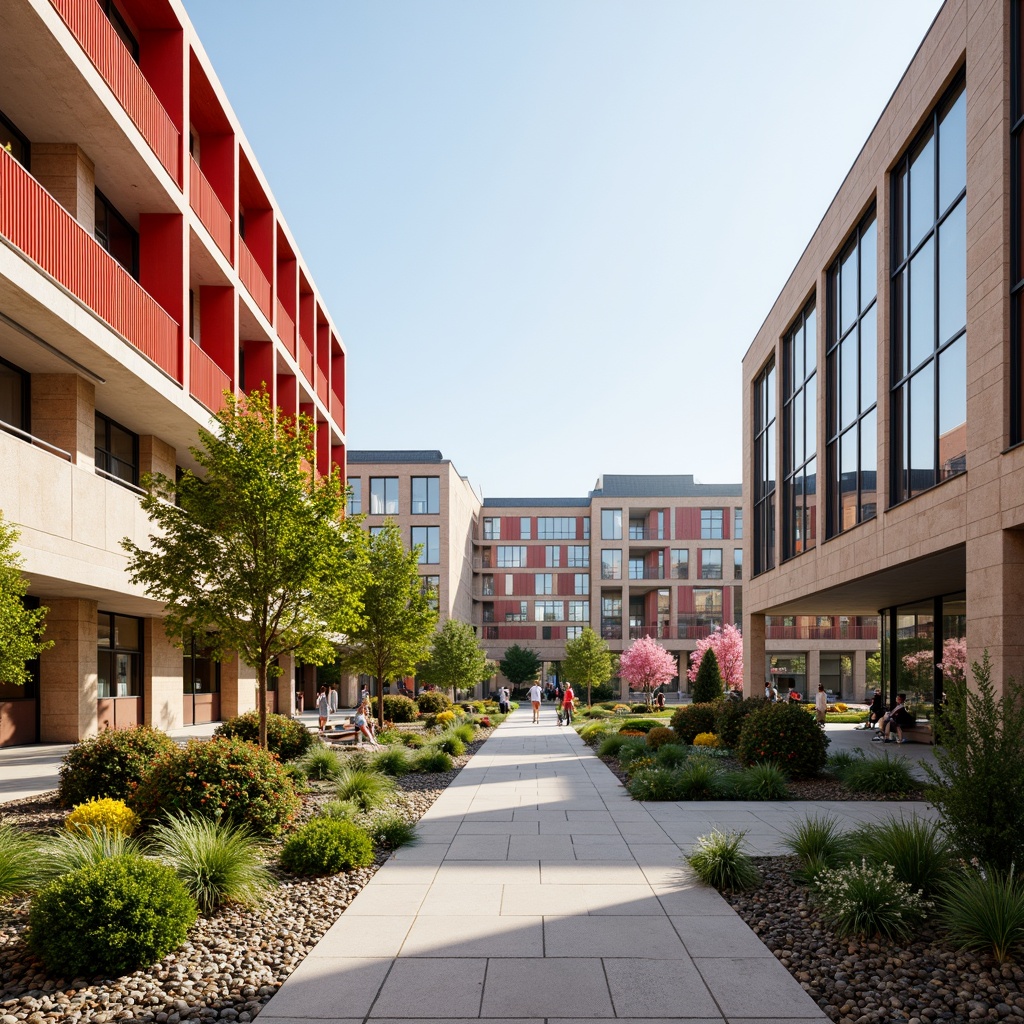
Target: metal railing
{"type": "Point", "coordinates": [209, 208]}
{"type": "Point", "coordinates": [36, 442]}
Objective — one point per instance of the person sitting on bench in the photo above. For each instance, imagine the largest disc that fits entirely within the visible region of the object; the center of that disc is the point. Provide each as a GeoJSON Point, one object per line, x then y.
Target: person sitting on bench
{"type": "Point", "coordinates": [876, 712]}
{"type": "Point", "coordinates": [899, 716]}
{"type": "Point", "coordinates": [364, 723]}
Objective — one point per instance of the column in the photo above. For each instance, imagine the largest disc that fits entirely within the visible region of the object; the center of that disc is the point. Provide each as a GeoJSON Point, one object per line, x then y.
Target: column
{"type": "Point", "coordinates": [753, 654]}
{"type": "Point", "coordinates": [286, 685]}
{"type": "Point", "coordinates": [67, 672]}
{"type": "Point", "coordinates": [161, 678]}
{"type": "Point", "coordinates": [64, 414]}
{"type": "Point", "coordinates": [813, 676]}
{"type": "Point", "coordinates": [69, 176]}
{"type": "Point", "coordinates": [995, 603]}
{"type": "Point", "coordinates": [237, 688]}
{"type": "Point", "coordinates": [859, 683]}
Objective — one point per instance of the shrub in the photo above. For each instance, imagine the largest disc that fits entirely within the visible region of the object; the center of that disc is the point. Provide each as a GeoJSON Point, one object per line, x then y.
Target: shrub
{"type": "Point", "coordinates": [622, 709]}
{"type": "Point", "coordinates": [449, 743]}
{"type": "Point", "coordinates": [413, 740]}
{"type": "Point", "coordinates": [432, 702]}
{"type": "Point", "coordinates": [719, 861]}
{"type": "Point", "coordinates": [639, 764]}
{"type": "Point", "coordinates": [708, 684]}
{"type": "Point", "coordinates": [706, 739]}
{"type": "Point", "coordinates": [839, 708]}
{"type": "Point", "coordinates": [397, 708]}
{"type": "Point", "coordinates": [393, 761]}
{"type": "Point", "coordinates": [656, 784]}
{"type": "Point", "coordinates": [592, 732]}
{"type": "Point", "coordinates": [390, 831]}
{"type": "Point", "coordinates": [325, 846]}
{"type": "Point", "coordinates": [66, 852]}
{"type": "Point", "coordinates": [979, 775]}
{"type": "Point", "coordinates": [690, 719]}
{"type": "Point", "coordinates": [430, 759]}
{"type": "Point", "coordinates": [596, 713]}
{"type": "Point", "coordinates": [839, 763]}
{"type": "Point", "coordinates": [985, 910]}
{"type": "Point", "coordinates": [786, 734]}
{"type": "Point", "coordinates": [635, 746]}
{"type": "Point", "coordinates": [215, 861]}
{"type": "Point", "coordinates": [287, 737]}
{"type": "Point", "coordinates": [917, 850]}
{"type": "Point", "coordinates": [320, 762]}
{"type": "Point", "coordinates": [340, 810]}
{"type": "Point", "coordinates": [820, 843]}
{"type": "Point", "coordinates": [659, 736]}
{"type": "Point", "coordinates": [466, 732]}
{"type": "Point", "coordinates": [642, 709]}
{"type": "Point", "coordinates": [730, 716]}
{"type": "Point", "coordinates": [868, 900]}
{"type": "Point", "coordinates": [19, 861]}
{"type": "Point", "coordinates": [222, 779]}
{"type": "Point", "coordinates": [442, 720]}
{"type": "Point", "coordinates": [113, 815]}
{"type": "Point", "coordinates": [110, 764]}
{"type": "Point", "coordinates": [644, 725]}
{"type": "Point", "coordinates": [672, 755]}
{"type": "Point", "coordinates": [123, 913]}
{"type": "Point", "coordinates": [882, 774]}
{"type": "Point", "coordinates": [363, 787]}
{"type": "Point", "coordinates": [700, 779]}
{"type": "Point", "coordinates": [762, 781]}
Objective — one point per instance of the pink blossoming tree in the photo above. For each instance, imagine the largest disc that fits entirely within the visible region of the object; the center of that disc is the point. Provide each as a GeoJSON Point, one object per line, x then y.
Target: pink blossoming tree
{"type": "Point", "coordinates": [954, 659]}
{"type": "Point", "coordinates": [727, 643]}
{"type": "Point", "coordinates": [646, 665]}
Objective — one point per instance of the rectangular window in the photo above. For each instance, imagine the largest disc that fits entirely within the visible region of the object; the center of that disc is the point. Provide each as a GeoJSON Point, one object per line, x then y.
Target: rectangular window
{"type": "Point", "coordinates": [543, 583]}
{"type": "Point", "coordinates": [737, 524]}
{"type": "Point", "coordinates": [509, 578]}
{"type": "Point", "coordinates": [430, 539]}
{"type": "Point", "coordinates": [490, 632]}
{"type": "Point", "coordinates": [711, 564]}
{"type": "Point", "coordinates": [117, 451]}
{"type": "Point", "coordinates": [511, 556]}
{"type": "Point", "coordinates": [680, 563]}
{"type": "Point", "coordinates": [1016, 222]}
{"type": "Point", "coordinates": [488, 611]}
{"type": "Point", "coordinates": [556, 528]}
{"type": "Point", "coordinates": [636, 568]}
{"type": "Point", "coordinates": [611, 618]}
{"type": "Point", "coordinates": [376, 531]}
{"type": "Point", "coordinates": [13, 141]}
{"type": "Point", "coordinates": [120, 25]}
{"type": "Point", "coordinates": [14, 397]}
{"type": "Point", "coordinates": [119, 655]}
{"type": "Point", "coordinates": [552, 554]}
{"type": "Point", "coordinates": [928, 358]}
{"type": "Point", "coordinates": [116, 235]}
{"type": "Point", "coordinates": [487, 585]}
{"type": "Point", "coordinates": [638, 529]}
{"type": "Point", "coordinates": [578, 556]}
{"type": "Point", "coordinates": [383, 495]}
{"type": "Point", "coordinates": [426, 496]}
{"type": "Point", "coordinates": [581, 583]}
{"type": "Point", "coordinates": [611, 524]}
{"type": "Point", "coordinates": [611, 564]}
{"type": "Point", "coordinates": [764, 469]}
{"type": "Point", "coordinates": [851, 384]}
{"type": "Point", "coordinates": [524, 527]}
{"type": "Point", "coordinates": [355, 496]}
{"type": "Point", "coordinates": [711, 524]}
{"type": "Point", "coordinates": [586, 528]}
{"type": "Point", "coordinates": [579, 611]}
{"type": "Point", "coordinates": [492, 528]}
{"type": "Point", "coordinates": [518, 616]}
{"type": "Point", "coordinates": [799, 430]}
{"type": "Point", "coordinates": [573, 632]}
{"type": "Point", "coordinates": [708, 604]}
{"type": "Point", "coordinates": [737, 563]}
{"type": "Point", "coordinates": [430, 587]}
{"type": "Point", "coordinates": [548, 611]}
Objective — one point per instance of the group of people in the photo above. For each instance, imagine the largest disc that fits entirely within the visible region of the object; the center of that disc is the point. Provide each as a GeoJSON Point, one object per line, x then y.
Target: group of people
{"type": "Point", "coordinates": [898, 716]}
{"type": "Point", "coordinates": [564, 699]}
{"type": "Point", "coordinates": [327, 704]}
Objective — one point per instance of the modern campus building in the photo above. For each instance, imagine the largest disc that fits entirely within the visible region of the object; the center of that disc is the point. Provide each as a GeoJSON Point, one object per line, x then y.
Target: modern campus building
{"type": "Point", "coordinates": [883, 397]}
{"type": "Point", "coordinates": [144, 269]}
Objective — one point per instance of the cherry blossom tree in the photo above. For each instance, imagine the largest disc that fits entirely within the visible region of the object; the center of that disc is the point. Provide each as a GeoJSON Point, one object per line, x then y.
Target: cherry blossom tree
{"type": "Point", "coordinates": [954, 659]}
{"type": "Point", "coordinates": [646, 665]}
{"type": "Point", "coordinates": [727, 643]}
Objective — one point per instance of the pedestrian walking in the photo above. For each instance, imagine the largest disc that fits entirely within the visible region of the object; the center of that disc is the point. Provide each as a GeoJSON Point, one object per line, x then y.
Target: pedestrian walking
{"type": "Point", "coordinates": [323, 708]}
{"type": "Point", "coordinates": [568, 697]}
{"type": "Point", "coordinates": [535, 696]}
{"type": "Point", "coordinates": [821, 705]}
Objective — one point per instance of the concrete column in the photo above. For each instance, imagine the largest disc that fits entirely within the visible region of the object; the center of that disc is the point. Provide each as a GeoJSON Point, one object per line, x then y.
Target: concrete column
{"type": "Point", "coordinates": [286, 686]}
{"type": "Point", "coordinates": [753, 655]}
{"type": "Point", "coordinates": [69, 176]}
{"type": "Point", "coordinates": [64, 414]}
{"type": "Point", "coordinates": [161, 678]}
{"type": "Point", "coordinates": [813, 676]}
{"type": "Point", "coordinates": [68, 672]}
{"type": "Point", "coordinates": [237, 688]}
{"type": "Point", "coordinates": [859, 683]}
{"type": "Point", "coordinates": [995, 603]}
{"type": "Point", "coordinates": [156, 456]}
{"type": "Point", "coordinates": [348, 693]}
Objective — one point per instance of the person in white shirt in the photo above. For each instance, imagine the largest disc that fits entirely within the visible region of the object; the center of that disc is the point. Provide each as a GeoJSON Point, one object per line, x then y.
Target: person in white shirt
{"type": "Point", "coordinates": [535, 696]}
{"type": "Point", "coordinates": [821, 705]}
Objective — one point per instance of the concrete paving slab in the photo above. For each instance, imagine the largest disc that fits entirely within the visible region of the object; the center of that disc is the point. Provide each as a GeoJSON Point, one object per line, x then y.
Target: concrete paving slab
{"type": "Point", "coordinates": [465, 900]}
{"type": "Point", "coordinates": [646, 988]}
{"type": "Point", "coordinates": [324, 987]}
{"type": "Point", "coordinates": [544, 848]}
{"type": "Point", "coordinates": [405, 874]}
{"type": "Point", "coordinates": [756, 987]}
{"type": "Point", "coordinates": [388, 901]}
{"type": "Point", "coordinates": [504, 872]}
{"type": "Point", "coordinates": [475, 827]}
{"type": "Point", "coordinates": [479, 847]}
{"type": "Point", "coordinates": [546, 987]}
{"type": "Point", "coordinates": [608, 936]}
{"type": "Point", "coordinates": [697, 900]}
{"type": "Point", "coordinates": [432, 987]}
{"type": "Point", "coordinates": [720, 935]}
{"type": "Point", "coordinates": [537, 900]}
{"type": "Point", "coordinates": [475, 936]}
{"type": "Point", "coordinates": [364, 935]}
{"type": "Point", "coordinates": [592, 873]}
{"type": "Point", "coordinates": [621, 900]}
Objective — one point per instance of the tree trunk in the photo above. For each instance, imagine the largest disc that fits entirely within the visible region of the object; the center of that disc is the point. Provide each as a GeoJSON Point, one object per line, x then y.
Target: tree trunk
{"type": "Point", "coordinates": [380, 697]}
{"type": "Point", "coordinates": [262, 676]}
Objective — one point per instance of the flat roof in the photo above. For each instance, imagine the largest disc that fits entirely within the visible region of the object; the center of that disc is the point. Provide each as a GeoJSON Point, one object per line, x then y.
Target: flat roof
{"type": "Point", "coordinates": [661, 486]}
{"type": "Point", "coordinates": [402, 455]}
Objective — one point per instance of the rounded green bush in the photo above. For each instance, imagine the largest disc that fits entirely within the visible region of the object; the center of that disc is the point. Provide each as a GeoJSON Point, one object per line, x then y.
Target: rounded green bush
{"type": "Point", "coordinates": [611, 745]}
{"type": "Point", "coordinates": [450, 744]}
{"type": "Point", "coordinates": [433, 702]}
{"type": "Point", "coordinates": [785, 734]}
{"type": "Point", "coordinates": [413, 740]}
{"type": "Point", "coordinates": [396, 708]}
{"type": "Point", "coordinates": [634, 747]}
{"type": "Point", "coordinates": [730, 716]}
{"type": "Point", "coordinates": [659, 736]}
{"type": "Point", "coordinates": [109, 765]}
{"type": "Point", "coordinates": [325, 846]}
{"type": "Point", "coordinates": [113, 917]}
{"type": "Point", "coordinates": [393, 761]}
{"type": "Point", "coordinates": [689, 720]}
{"type": "Point", "coordinates": [430, 759]}
{"type": "Point", "coordinates": [221, 779]}
{"type": "Point", "coordinates": [640, 725]}
{"type": "Point", "coordinates": [672, 755]}
{"type": "Point", "coordinates": [286, 737]}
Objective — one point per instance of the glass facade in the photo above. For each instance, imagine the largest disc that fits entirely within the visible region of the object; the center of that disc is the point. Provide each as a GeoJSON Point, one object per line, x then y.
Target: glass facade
{"type": "Point", "coordinates": [119, 655]}
{"type": "Point", "coordinates": [116, 451]}
{"type": "Point", "coordinates": [764, 470]}
{"type": "Point", "coordinates": [800, 424]}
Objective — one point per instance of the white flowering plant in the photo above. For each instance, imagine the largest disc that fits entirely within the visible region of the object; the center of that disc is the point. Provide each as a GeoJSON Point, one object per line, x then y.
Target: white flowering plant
{"type": "Point", "coordinates": [868, 900]}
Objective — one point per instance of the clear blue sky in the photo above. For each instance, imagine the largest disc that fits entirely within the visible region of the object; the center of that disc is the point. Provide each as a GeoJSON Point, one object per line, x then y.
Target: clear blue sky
{"type": "Point", "coordinates": [548, 230]}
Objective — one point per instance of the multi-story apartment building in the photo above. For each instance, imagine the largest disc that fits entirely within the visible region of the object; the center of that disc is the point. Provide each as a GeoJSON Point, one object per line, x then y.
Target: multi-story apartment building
{"type": "Point", "coordinates": [892, 362]}
{"type": "Point", "coordinates": [144, 269]}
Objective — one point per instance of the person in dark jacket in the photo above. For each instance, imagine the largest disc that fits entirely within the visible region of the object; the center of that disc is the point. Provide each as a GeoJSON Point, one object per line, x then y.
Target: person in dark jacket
{"type": "Point", "coordinates": [899, 716]}
{"type": "Point", "coordinates": [876, 711]}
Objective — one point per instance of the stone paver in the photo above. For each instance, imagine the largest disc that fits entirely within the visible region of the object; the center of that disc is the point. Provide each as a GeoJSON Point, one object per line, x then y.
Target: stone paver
{"type": "Point", "coordinates": [542, 894]}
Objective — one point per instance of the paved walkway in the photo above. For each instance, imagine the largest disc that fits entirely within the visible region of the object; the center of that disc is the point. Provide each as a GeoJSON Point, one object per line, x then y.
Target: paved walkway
{"type": "Point", "coordinates": [542, 892]}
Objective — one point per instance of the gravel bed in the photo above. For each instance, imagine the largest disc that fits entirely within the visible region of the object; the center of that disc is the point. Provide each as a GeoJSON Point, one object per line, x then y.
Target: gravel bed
{"type": "Point", "coordinates": [858, 982]}
{"type": "Point", "coordinates": [234, 960]}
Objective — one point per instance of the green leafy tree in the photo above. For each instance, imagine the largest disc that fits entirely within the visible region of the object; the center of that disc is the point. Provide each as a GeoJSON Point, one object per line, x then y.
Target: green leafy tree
{"type": "Point", "coordinates": [393, 634]}
{"type": "Point", "coordinates": [708, 684]}
{"type": "Point", "coordinates": [520, 665]}
{"type": "Point", "coordinates": [21, 628]}
{"type": "Point", "coordinates": [587, 661]}
{"type": "Point", "coordinates": [256, 556]}
{"type": "Point", "coordinates": [456, 658]}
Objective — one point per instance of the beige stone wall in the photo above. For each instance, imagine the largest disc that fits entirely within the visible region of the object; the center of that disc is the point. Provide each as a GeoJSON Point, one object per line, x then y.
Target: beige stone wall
{"type": "Point", "coordinates": [237, 688]}
{"type": "Point", "coordinates": [65, 171]}
{"type": "Point", "coordinates": [162, 667]}
{"type": "Point", "coordinates": [63, 414]}
{"type": "Point", "coordinates": [67, 672]}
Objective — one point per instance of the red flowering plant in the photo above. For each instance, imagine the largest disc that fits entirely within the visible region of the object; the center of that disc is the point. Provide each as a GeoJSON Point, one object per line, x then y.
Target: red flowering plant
{"type": "Point", "coordinates": [786, 734]}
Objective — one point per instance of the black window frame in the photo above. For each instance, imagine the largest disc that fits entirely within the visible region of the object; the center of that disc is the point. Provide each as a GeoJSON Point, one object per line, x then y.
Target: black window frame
{"type": "Point", "coordinates": [103, 465]}
{"type": "Point", "coordinates": [121, 27]}
{"type": "Point", "coordinates": [709, 529]}
{"type": "Point", "coordinates": [765, 415]}
{"type": "Point", "coordinates": [1016, 228]}
{"type": "Point", "coordinates": [431, 501]}
{"type": "Point", "coordinates": [25, 426]}
{"type": "Point", "coordinates": [798, 474]}
{"type": "Point", "coordinates": [21, 138]}
{"type": "Point", "coordinates": [102, 234]}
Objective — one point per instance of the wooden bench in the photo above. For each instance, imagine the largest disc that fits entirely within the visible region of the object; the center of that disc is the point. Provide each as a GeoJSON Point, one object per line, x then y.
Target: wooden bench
{"type": "Point", "coordinates": [345, 733]}
{"type": "Point", "coordinates": [919, 732]}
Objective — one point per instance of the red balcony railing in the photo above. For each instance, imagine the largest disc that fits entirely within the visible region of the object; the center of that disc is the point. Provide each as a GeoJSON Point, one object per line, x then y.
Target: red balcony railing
{"type": "Point", "coordinates": [323, 392]}
{"type": "Point", "coordinates": [38, 225]}
{"type": "Point", "coordinates": [104, 47]}
{"type": "Point", "coordinates": [306, 361]}
{"type": "Point", "coordinates": [806, 632]}
{"type": "Point", "coordinates": [255, 281]}
{"type": "Point", "coordinates": [338, 411]}
{"type": "Point", "coordinates": [285, 327]}
{"type": "Point", "coordinates": [210, 209]}
{"type": "Point", "coordinates": [207, 381]}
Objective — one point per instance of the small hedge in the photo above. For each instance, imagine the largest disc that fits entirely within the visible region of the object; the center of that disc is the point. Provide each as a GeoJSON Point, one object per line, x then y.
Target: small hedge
{"type": "Point", "coordinates": [690, 719]}
{"type": "Point", "coordinates": [115, 816]}
{"type": "Point", "coordinates": [785, 734]}
{"type": "Point", "coordinates": [730, 716]}
{"type": "Point", "coordinates": [641, 725]}
{"type": "Point", "coordinates": [118, 915]}
{"type": "Point", "coordinates": [397, 708]}
{"type": "Point", "coordinates": [659, 736]}
{"type": "Point", "coordinates": [325, 846]}
{"type": "Point", "coordinates": [109, 765]}
{"type": "Point", "coordinates": [221, 779]}
{"type": "Point", "coordinates": [286, 737]}
{"type": "Point", "coordinates": [433, 702]}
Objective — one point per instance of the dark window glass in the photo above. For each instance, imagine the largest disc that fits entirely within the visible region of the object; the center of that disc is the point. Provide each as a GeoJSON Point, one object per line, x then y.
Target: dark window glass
{"type": "Point", "coordinates": [200, 672]}
{"type": "Point", "coordinates": [799, 418]}
{"type": "Point", "coordinates": [355, 496]}
{"type": "Point", "coordinates": [13, 141]}
{"type": "Point", "coordinates": [429, 537]}
{"type": "Point", "coordinates": [118, 655]}
{"type": "Point", "coordinates": [116, 235]}
{"type": "Point", "coordinates": [764, 469]}
{"type": "Point", "coordinates": [929, 300]}
{"type": "Point", "coordinates": [14, 397]}
{"type": "Point", "coordinates": [117, 19]}
{"type": "Point", "coordinates": [117, 451]}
